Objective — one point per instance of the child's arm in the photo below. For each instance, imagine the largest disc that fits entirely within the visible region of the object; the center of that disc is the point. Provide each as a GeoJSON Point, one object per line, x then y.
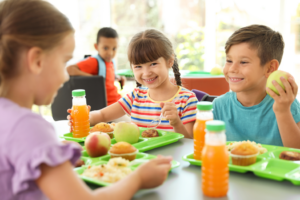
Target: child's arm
{"type": "Point", "coordinates": [289, 130]}
{"type": "Point", "coordinates": [61, 182]}
{"type": "Point", "coordinates": [73, 70]}
{"type": "Point", "coordinates": [106, 114]}
{"type": "Point", "coordinates": [169, 111]}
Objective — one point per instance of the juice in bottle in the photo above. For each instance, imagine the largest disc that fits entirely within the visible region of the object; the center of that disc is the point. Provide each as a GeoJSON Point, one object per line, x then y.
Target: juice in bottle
{"type": "Point", "coordinates": [215, 159]}
{"type": "Point", "coordinates": [80, 114]}
{"type": "Point", "coordinates": [204, 114]}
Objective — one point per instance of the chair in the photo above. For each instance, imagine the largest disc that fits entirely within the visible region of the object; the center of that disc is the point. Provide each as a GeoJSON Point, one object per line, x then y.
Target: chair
{"type": "Point", "coordinates": [95, 94]}
{"type": "Point", "coordinates": [203, 96]}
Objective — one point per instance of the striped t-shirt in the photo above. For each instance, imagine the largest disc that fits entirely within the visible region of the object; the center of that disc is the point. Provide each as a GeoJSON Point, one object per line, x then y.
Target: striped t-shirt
{"type": "Point", "coordinates": [143, 109]}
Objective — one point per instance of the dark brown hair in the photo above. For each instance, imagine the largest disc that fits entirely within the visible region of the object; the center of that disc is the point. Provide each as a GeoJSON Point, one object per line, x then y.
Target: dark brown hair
{"type": "Point", "coordinates": [150, 45]}
{"type": "Point", "coordinates": [107, 32]}
{"type": "Point", "coordinates": [25, 24]}
{"type": "Point", "coordinates": [269, 43]}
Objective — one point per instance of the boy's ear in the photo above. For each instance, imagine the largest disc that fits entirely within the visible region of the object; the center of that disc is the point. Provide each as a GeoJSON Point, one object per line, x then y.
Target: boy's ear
{"type": "Point", "coordinates": [96, 46]}
{"type": "Point", "coordinates": [271, 67]}
{"type": "Point", "coordinates": [34, 60]}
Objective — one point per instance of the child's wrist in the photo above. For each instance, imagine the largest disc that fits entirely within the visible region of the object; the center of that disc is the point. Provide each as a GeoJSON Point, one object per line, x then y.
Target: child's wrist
{"type": "Point", "coordinates": [282, 113]}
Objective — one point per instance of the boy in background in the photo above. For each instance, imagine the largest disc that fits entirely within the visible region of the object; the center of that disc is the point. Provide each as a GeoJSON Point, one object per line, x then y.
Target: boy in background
{"type": "Point", "coordinates": [102, 64]}
{"type": "Point", "coordinates": [252, 54]}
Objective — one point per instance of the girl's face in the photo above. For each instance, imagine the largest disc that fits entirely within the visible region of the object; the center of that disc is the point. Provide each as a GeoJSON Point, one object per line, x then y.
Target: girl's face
{"type": "Point", "coordinates": [152, 74]}
{"type": "Point", "coordinates": [54, 73]}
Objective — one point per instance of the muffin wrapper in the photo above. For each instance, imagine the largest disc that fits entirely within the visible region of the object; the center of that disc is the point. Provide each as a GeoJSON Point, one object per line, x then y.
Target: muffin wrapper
{"type": "Point", "coordinates": [243, 160]}
{"type": "Point", "coordinates": [127, 156]}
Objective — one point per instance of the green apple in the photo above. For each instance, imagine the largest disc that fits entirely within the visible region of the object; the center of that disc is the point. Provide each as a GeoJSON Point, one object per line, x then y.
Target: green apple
{"type": "Point", "coordinates": [276, 76]}
{"type": "Point", "coordinates": [216, 71]}
{"type": "Point", "coordinates": [127, 132]}
{"type": "Point", "coordinates": [97, 144]}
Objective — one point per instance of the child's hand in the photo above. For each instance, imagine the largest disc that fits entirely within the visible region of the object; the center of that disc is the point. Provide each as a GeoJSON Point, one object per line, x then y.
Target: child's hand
{"type": "Point", "coordinates": [284, 100]}
{"type": "Point", "coordinates": [70, 118]}
{"type": "Point", "coordinates": [154, 172]}
{"type": "Point", "coordinates": [169, 111]}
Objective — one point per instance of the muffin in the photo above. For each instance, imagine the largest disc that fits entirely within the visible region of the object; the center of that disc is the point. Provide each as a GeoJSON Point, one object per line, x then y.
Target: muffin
{"type": "Point", "coordinates": [244, 154]}
{"type": "Point", "coordinates": [124, 150]}
{"type": "Point", "coordinates": [150, 133]}
{"type": "Point", "coordinates": [103, 127]}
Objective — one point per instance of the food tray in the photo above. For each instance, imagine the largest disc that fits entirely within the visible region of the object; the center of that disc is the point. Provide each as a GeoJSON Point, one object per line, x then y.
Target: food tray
{"type": "Point", "coordinates": [140, 159]}
{"type": "Point", "coordinates": [268, 165]}
{"type": "Point", "coordinates": [144, 144]}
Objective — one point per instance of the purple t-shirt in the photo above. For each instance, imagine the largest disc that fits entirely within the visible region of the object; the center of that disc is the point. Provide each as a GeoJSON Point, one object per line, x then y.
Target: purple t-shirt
{"type": "Point", "coordinates": [27, 141]}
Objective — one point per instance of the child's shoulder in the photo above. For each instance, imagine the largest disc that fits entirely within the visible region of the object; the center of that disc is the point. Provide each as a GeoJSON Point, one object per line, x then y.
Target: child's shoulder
{"type": "Point", "coordinates": [224, 98]}
{"type": "Point", "coordinates": [187, 93]}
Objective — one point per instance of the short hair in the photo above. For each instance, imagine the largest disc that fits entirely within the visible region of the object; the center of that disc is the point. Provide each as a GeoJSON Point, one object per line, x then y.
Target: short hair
{"type": "Point", "coordinates": [107, 32]}
{"type": "Point", "coordinates": [269, 43]}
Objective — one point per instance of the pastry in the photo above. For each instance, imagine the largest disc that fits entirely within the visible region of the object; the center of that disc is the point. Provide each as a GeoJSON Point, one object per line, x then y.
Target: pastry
{"type": "Point", "coordinates": [289, 155]}
{"type": "Point", "coordinates": [124, 150]}
{"type": "Point", "coordinates": [244, 154]}
{"type": "Point", "coordinates": [103, 127]}
{"type": "Point", "coordinates": [150, 133]}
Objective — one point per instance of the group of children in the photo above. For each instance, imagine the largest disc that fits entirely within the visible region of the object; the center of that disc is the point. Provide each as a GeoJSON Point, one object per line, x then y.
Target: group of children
{"type": "Point", "coordinates": [35, 43]}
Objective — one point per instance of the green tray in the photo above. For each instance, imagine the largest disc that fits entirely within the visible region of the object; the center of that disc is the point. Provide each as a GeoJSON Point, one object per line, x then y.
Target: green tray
{"type": "Point", "coordinates": [144, 144]}
{"type": "Point", "coordinates": [268, 165]}
{"type": "Point", "coordinates": [140, 158]}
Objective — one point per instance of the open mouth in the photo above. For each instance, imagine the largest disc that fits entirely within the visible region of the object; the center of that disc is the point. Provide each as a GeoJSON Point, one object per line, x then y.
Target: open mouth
{"type": "Point", "coordinates": [150, 80]}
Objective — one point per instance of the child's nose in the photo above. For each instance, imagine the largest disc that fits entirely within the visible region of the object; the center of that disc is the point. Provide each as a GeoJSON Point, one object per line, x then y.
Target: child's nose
{"type": "Point", "coordinates": [233, 67]}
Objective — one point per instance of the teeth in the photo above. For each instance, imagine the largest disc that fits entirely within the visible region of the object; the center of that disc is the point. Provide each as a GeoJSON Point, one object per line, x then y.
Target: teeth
{"type": "Point", "coordinates": [235, 79]}
{"type": "Point", "coordinates": [149, 79]}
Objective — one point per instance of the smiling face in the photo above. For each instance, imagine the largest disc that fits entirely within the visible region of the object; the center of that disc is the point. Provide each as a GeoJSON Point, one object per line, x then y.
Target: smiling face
{"type": "Point", "coordinates": [152, 74]}
{"type": "Point", "coordinates": [54, 72]}
{"type": "Point", "coordinates": [107, 48]}
{"type": "Point", "coordinates": [242, 70]}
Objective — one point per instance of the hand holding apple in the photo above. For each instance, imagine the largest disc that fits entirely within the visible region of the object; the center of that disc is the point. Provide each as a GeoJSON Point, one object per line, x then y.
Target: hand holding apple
{"type": "Point", "coordinates": [285, 90]}
{"type": "Point", "coordinates": [97, 144]}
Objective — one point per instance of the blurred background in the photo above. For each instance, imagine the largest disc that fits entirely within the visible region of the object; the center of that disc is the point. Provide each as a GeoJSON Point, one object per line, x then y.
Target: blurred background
{"type": "Point", "coordinates": [198, 29]}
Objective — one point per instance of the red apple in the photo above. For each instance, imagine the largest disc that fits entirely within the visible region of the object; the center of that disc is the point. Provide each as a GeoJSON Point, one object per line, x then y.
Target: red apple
{"type": "Point", "coordinates": [97, 144]}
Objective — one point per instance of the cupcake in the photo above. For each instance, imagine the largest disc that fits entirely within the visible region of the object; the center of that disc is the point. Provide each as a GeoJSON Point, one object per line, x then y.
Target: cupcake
{"type": "Point", "coordinates": [124, 150]}
{"type": "Point", "coordinates": [104, 128]}
{"type": "Point", "coordinates": [150, 133]}
{"type": "Point", "coordinates": [244, 154]}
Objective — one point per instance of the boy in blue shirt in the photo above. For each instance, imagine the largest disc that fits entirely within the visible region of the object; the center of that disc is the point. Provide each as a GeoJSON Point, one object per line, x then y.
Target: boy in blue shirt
{"type": "Point", "coordinates": [252, 54]}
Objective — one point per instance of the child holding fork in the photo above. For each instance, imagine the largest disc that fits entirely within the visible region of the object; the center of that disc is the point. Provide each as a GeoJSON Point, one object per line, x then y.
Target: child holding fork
{"type": "Point", "coordinates": [151, 55]}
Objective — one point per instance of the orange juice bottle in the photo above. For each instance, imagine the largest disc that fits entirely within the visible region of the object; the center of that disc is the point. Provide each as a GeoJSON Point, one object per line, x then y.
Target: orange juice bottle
{"type": "Point", "coordinates": [204, 114]}
{"type": "Point", "coordinates": [215, 159]}
{"type": "Point", "coordinates": [80, 114]}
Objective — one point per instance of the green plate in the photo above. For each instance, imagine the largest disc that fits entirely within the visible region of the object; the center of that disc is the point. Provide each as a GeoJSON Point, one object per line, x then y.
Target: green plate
{"type": "Point", "coordinates": [268, 165]}
{"type": "Point", "coordinates": [140, 158]}
{"type": "Point", "coordinates": [144, 144]}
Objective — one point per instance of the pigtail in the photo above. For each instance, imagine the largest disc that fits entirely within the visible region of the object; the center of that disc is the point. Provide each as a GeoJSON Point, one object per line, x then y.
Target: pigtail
{"type": "Point", "coordinates": [138, 84]}
{"type": "Point", "coordinates": [176, 72]}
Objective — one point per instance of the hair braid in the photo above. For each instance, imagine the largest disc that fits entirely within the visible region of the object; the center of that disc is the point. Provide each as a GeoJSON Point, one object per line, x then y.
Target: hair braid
{"type": "Point", "coordinates": [138, 84]}
{"type": "Point", "coordinates": [176, 72]}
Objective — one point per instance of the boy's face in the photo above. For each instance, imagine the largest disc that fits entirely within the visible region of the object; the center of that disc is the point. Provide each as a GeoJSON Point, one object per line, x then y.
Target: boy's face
{"type": "Point", "coordinates": [107, 48]}
{"type": "Point", "coordinates": [242, 70]}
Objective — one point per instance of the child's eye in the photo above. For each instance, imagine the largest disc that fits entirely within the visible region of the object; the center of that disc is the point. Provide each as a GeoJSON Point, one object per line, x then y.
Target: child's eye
{"type": "Point", "coordinates": [152, 64]}
{"type": "Point", "coordinates": [105, 48]}
{"type": "Point", "coordinates": [228, 61]}
{"type": "Point", "coordinates": [114, 49]}
{"type": "Point", "coordinates": [137, 66]}
{"type": "Point", "coordinates": [244, 62]}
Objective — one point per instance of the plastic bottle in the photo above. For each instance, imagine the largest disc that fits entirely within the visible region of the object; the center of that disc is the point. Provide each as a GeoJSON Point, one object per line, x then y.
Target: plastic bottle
{"type": "Point", "coordinates": [80, 114]}
{"type": "Point", "coordinates": [204, 114]}
{"type": "Point", "coordinates": [215, 159]}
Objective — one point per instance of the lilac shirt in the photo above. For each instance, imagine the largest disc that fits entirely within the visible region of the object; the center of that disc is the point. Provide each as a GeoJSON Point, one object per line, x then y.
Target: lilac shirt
{"type": "Point", "coordinates": [27, 141]}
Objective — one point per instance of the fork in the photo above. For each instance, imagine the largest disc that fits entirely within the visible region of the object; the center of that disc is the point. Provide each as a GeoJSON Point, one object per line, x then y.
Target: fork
{"type": "Point", "coordinates": [158, 119]}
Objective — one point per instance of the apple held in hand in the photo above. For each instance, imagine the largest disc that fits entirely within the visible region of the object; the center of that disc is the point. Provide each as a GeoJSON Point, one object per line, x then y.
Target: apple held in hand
{"type": "Point", "coordinates": [216, 71]}
{"type": "Point", "coordinates": [127, 132]}
{"type": "Point", "coordinates": [97, 144]}
{"type": "Point", "coordinates": [276, 76]}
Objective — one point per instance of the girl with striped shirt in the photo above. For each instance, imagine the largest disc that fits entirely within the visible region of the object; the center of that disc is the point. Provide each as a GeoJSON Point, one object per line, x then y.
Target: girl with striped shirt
{"type": "Point", "coordinates": [151, 55]}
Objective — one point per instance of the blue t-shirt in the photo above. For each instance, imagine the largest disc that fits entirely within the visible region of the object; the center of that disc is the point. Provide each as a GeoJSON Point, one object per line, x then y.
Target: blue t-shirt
{"type": "Point", "coordinates": [256, 123]}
